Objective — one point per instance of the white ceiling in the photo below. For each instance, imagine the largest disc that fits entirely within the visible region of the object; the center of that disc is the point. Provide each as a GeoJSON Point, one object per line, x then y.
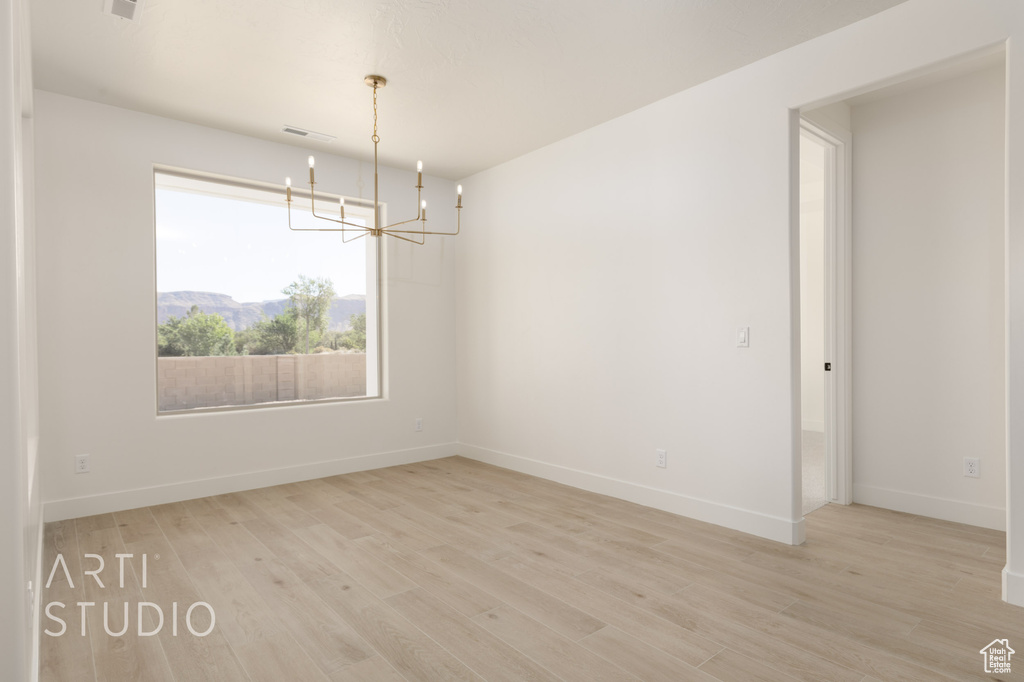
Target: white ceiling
{"type": "Point", "coordinates": [472, 83]}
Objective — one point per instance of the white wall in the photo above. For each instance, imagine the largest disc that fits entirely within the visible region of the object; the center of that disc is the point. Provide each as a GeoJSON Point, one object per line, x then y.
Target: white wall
{"type": "Point", "coordinates": [928, 302]}
{"type": "Point", "coordinates": [598, 304]}
{"type": "Point", "coordinates": [20, 517]}
{"type": "Point", "coordinates": [681, 218]}
{"type": "Point", "coordinates": [812, 285]}
{"type": "Point", "coordinates": [96, 289]}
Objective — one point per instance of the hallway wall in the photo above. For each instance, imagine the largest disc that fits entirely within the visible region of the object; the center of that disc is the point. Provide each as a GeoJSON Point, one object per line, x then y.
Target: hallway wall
{"type": "Point", "coordinates": [928, 300]}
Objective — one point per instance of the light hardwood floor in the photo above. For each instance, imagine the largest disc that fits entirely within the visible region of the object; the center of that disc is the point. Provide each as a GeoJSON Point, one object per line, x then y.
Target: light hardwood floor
{"type": "Point", "coordinates": [453, 569]}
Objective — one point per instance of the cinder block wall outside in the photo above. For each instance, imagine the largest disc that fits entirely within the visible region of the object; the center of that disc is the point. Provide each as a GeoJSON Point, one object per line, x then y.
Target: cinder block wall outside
{"type": "Point", "coordinates": [185, 383]}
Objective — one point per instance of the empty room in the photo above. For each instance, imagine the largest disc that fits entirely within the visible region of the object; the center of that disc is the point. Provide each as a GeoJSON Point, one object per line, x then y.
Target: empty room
{"type": "Point", "coordinates": [512, 340]}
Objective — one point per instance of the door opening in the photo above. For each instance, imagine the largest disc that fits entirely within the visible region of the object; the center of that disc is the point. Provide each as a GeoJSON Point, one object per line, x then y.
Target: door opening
{"type": "Point", "coordinates": [814, 465]}
{"type": "Point", "coordinates": [824, 323]}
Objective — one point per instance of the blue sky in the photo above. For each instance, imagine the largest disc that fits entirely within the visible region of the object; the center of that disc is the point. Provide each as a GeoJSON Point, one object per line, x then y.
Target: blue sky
{"type": "Point", "coordinates": [245, 250]}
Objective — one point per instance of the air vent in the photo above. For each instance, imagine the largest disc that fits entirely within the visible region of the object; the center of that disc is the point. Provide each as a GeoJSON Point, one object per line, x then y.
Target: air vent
{"type": "Point", "coordinates": [125, 9]}
{"type": "Point", "coordinates": [301, 132]}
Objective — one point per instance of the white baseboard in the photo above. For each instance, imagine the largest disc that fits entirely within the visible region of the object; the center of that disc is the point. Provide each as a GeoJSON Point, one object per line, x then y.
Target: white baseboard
{"type": "Point", "coordinates": [934, 507]}
{"type": "Point", "coordinates": [56, 510]}
{"type": "Point", "coordinates": [755, 523]}
{"type": "Point", "coordinates": [1013, 588]}
{"type": "Point", "coordinates": [809, 425]}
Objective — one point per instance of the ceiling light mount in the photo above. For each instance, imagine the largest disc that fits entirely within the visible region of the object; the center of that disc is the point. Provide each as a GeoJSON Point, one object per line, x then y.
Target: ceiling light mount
{"type": "Point", "coordinates": [125, 9]}
{"type": "Point", "coordinates": [358, 231]}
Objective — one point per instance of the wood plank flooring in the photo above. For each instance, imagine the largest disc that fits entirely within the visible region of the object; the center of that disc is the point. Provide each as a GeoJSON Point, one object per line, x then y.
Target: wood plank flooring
{"type": "Point", "coordinates": [456, 570]}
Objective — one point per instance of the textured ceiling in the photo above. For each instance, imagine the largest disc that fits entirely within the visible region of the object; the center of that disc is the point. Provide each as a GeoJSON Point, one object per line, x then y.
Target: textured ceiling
{"type": "Point", "coordinates": [472, 83]}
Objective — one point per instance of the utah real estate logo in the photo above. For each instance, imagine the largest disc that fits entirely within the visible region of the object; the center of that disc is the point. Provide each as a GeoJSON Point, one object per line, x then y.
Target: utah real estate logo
{"type": "Point", "coordinates": [997, 656]}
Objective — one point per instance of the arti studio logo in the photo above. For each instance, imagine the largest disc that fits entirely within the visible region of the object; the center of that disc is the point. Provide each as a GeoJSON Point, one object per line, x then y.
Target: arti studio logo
{"type": "Point", "coordinates": [997, 656]}
{"type": "Point", "coordinates": [155, 611]}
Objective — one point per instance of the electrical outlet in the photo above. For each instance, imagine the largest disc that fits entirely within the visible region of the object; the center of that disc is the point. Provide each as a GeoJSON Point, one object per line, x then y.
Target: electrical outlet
{"type": "Point", "coordinates": [660, 458]}
{"type": "Point", "coordinates": [972, 467]}
{"type": "Point", "coordinates": [419, 423]}
{"type": "Point", "coordinates": [81, 464]}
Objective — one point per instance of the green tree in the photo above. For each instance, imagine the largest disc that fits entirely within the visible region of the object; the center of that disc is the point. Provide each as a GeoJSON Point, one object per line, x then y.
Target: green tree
{"type": "Point", "coordinates": [354, 338]}
{"type": "Point", "coordinates": [167, 338]}
{"type": "Point", "coordinates": [311, 297]}
{"type": "Point", "coordinates": [274, 336]}
{"type": "Point", "coordinates": [196, 334]}
{"type": "Point", "coordinates": [244, 341]}
{"type": "Point", "coordinates": [332, 340]}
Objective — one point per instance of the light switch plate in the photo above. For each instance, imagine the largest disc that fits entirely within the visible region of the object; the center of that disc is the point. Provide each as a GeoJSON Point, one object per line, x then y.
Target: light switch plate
{"type": "Point", "coordinates": [743, 337]}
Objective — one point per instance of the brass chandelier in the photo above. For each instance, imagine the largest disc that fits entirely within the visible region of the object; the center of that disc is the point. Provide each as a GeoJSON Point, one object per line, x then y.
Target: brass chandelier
{"type": "Point", "coordinates": [352, 231]}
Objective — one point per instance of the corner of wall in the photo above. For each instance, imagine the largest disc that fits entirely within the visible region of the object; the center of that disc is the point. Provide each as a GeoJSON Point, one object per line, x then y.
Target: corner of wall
{"type": "Point", "coordinates": [1013, 588]}
{"type": "Point", "coordinates": [743, 520]}
{"type": "Point", "coordinates": [831, 117]}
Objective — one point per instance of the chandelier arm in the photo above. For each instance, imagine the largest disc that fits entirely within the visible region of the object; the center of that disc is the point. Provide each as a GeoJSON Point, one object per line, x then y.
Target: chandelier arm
{"type": "Point", "coordinates": [419, 198]}
{"type": "Point", "coordinates": [405, 239]}
{"type": "Point", "coordinates": [458, 228]}
{"type": "Point", "coordinates": [349, 227]}
{"type": "Point", "coordinates": [348, 241]}
{"type": "Point", "coordinates": [312, 209]}
{"type": "Point", "coordinates": [397, 232]}
{"type": "Point", "coordinates": [329, 229]}
{"type": "Point", "coordinates": [352, 227]}
{"type": "Point", "coordinates": [404, 222]}
{"type": "Point", "coordinates": [288, 203]}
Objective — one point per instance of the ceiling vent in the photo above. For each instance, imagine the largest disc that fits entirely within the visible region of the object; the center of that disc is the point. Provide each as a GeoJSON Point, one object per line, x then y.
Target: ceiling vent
{"type": "Point", "coordinates": [308, 134]}
{"type": "Point", "coordinates": [125, 9]}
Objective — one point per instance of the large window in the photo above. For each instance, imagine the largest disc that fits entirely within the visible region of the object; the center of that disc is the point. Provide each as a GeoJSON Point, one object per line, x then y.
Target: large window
{"type": "Point", "coordinates": [252, 313]}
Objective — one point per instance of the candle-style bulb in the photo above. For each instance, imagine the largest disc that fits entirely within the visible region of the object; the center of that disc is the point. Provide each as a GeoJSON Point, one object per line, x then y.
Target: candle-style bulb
{"type": "Point", "coordinates": [342, 202]}
{"type": "Point", "coordinates": [287, 182]}
{"type": "Point", "coordinates": [423, 204]}
{"type": "Point", "coordinates": [459, 190]}
{"type": "Point", "coordinates": [312, 161]}
{"type": "Point", "coordinates": [419, 166]}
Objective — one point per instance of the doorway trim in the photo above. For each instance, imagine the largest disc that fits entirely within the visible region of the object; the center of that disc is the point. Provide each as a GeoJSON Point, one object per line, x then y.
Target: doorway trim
{"type": "Point", "coordinates": [838, 309]}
